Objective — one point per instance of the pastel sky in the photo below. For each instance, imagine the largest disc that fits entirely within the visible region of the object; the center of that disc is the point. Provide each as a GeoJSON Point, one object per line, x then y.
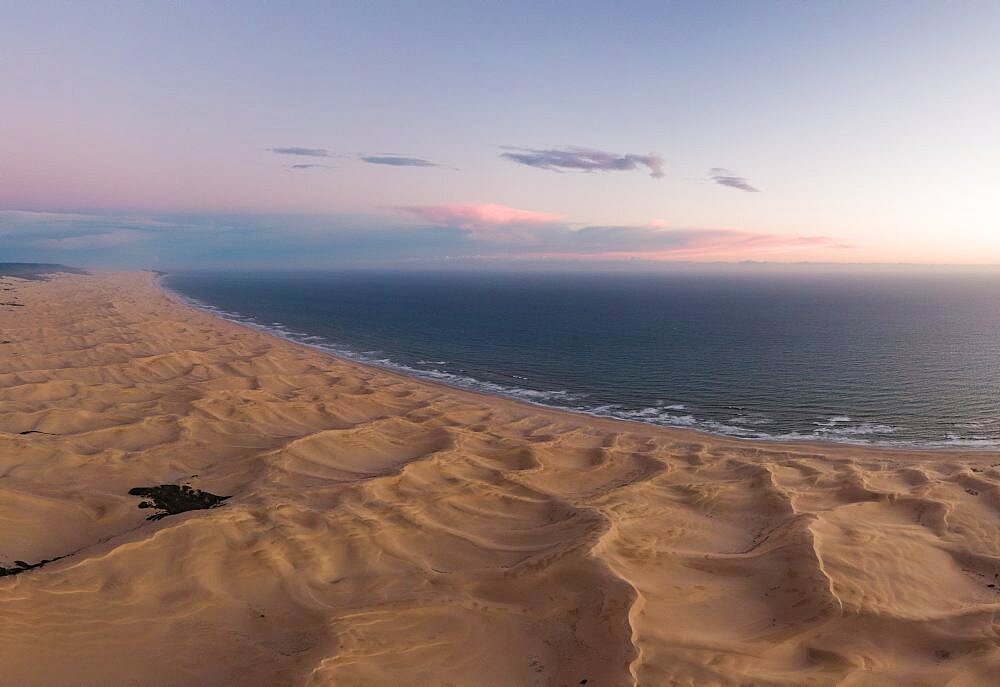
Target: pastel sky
{"type": "Point", "coordinates": [273, 134]}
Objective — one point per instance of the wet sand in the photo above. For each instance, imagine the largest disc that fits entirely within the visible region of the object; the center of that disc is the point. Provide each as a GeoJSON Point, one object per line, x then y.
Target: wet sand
{"type": "Point", "coordinates": [318, 522]}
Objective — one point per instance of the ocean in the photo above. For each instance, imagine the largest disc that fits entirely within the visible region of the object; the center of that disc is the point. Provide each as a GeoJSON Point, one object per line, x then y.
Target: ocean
{"type": "Point", "coordinates": [897, 358]}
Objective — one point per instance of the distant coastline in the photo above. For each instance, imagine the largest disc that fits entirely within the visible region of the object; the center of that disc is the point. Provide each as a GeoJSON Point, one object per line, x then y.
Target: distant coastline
{"type": "Point", "coordinates": [36, 270]}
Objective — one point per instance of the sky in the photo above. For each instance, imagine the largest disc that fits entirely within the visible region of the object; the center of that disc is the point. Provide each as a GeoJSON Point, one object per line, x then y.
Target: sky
{"type": "Point", "coordinates": [272, 134]}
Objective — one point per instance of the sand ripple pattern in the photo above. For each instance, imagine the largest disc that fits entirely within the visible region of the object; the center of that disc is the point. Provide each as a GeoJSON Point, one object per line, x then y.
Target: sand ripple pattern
{"type": "Point", "coordinates": [383, 530]}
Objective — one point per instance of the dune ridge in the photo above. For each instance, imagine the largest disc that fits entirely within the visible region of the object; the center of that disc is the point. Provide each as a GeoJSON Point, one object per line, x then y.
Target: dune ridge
{"type": "Point", "coordinates": [384, 530]}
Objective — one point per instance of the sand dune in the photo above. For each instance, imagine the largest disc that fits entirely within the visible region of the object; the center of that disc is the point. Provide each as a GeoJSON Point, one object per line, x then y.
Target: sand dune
{"type": "Point", "coordinates": [382, 530]}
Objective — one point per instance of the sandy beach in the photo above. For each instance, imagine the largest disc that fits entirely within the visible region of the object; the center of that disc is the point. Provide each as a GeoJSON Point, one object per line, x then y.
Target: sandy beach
{"type": "Point", "coordinates": [383, 530]}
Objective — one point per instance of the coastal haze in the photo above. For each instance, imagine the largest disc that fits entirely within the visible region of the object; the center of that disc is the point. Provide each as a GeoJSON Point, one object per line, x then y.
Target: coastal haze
{"type": "Point", "coordinates": [480, 344]}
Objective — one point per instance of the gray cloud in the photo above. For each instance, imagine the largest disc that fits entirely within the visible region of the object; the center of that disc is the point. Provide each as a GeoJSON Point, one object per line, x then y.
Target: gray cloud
{"type": "Point", "coordinates": [397, 161]}
{"type": "Point", "coordinates": [379, 159]}
{"type": "Point", "coordinates": [585, 159]}
{"type": "Point", "coordinates": [724, 177]}
{"type": "Point", "coordinates": [306, 152]}
{"type": "Point", "coordinates": [310, 166]}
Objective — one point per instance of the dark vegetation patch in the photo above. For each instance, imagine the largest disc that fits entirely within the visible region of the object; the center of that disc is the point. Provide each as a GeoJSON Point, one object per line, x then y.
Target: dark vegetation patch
{"type": "Point", "coordinates": [21, 566]}
{"type": "Point", "coordinates": [172, 499]}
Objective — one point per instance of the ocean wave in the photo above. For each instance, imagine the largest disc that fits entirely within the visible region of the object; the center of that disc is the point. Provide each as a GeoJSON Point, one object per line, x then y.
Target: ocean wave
{"type": "Point", "coordinates": [752, 420]}
{"type": "Point", "coordinates": [861, 429]}
{"type": "Point", "coordinates": [975, 424]}
{"type": "Point", "coordinates": [473, 384]}
{"type": "Point", "coordinates": [653, 415]}
{"type": "Point", "coordinates": [970, 442]}
{"type": "Point", "coordinates": [833, 421]}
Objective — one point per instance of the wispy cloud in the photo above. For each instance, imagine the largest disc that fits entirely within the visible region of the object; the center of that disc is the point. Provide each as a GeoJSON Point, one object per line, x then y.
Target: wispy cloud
{"type": "Point", "coordinates": [57, 225]}
{"type": "Point", "coordinates": [305, 152]}
{"type": "Point", "coordinates": [584, 159]}
{"type": "Point", "coordinates": [398, 161]}
{"type": "Point", "coordinates": [311, 166]}
{"type": "Point", "coordinates": [622, 242]}
{"type": "Point", "coordinates": [512, 232]}
{"type": "Point", "coordinates": [107, 239]}
{"type": "Point", "coordinates": [724, 177]}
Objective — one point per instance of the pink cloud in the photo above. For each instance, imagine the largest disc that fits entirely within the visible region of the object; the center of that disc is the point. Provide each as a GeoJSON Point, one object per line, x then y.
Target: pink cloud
{"type": "Point", "coordinates": [475, 215]}
{"type": "Point", "coordinates": [487, 222]}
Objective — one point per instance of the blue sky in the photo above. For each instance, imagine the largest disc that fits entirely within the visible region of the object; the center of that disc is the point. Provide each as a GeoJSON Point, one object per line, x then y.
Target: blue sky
{"type": "Point", "coordinates": [163, 134]}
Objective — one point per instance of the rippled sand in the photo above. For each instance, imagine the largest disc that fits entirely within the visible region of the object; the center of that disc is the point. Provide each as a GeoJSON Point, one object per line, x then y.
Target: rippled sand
{"type": "Point", "coordinates": [382, 530]}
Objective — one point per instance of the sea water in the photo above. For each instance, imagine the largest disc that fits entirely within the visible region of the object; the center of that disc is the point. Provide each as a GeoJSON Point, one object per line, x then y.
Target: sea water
{"type": "Point", "coordinates": [894, 358]}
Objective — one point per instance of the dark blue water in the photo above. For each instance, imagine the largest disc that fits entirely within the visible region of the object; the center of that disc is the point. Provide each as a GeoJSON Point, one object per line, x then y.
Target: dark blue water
{"type": "Point", "coordinates": [893, 358]}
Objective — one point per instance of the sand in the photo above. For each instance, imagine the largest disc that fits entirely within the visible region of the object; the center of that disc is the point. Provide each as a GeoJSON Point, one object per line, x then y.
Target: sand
{"type": "Point", "coordinates": [383, 530]}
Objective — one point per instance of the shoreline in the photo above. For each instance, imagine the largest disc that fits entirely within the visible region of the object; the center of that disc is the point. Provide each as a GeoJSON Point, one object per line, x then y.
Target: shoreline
{"type": "Point", "coordinates": [317, 521]}
{"type": "Point", "coordinates": [414, 376]}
